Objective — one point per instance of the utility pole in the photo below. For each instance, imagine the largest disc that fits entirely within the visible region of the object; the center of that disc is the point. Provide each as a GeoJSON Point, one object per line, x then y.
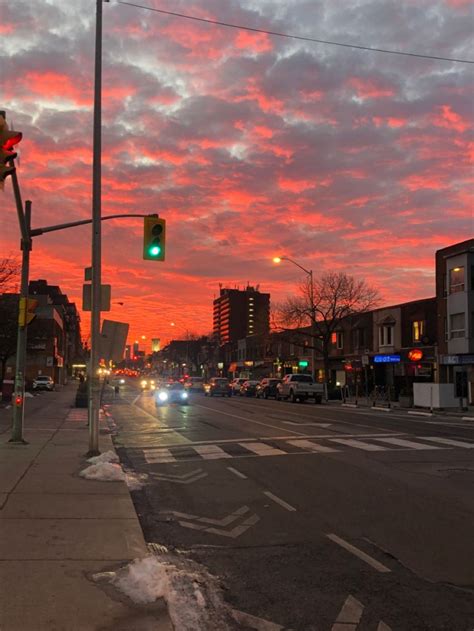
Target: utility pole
{"type": "Point", "coordinates": [19, 393]}
{"type": "Point", "coordinates": [94, 381]}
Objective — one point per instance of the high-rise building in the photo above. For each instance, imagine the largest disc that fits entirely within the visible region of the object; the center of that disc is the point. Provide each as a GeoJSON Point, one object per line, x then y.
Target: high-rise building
{"type": "Point", "coordinates": [239, 313]}
{"type": "Point", "coordinates": [155, 344]}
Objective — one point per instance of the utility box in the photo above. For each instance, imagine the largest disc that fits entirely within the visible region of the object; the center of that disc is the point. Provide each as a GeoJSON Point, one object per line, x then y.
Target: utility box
{"type": "Point", "coordinates": [435, 395]}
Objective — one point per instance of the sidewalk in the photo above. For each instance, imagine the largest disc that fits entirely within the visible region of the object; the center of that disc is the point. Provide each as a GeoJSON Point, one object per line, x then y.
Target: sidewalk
{"type": "Point", "coordinates": [363, 403]}
{"type": "Point", "coordinates": [58, 529]}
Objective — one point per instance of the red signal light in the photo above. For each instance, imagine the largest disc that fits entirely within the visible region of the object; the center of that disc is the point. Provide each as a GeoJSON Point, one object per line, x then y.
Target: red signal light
{"type": "Point", "coordinates": [18, 400]}
{"type": "Point", "coordinates": [11, 140]}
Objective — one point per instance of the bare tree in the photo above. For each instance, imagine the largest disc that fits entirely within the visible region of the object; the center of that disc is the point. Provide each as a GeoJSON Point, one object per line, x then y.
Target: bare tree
{"type": "Point", "coordinates": [321, 309]}
{"type": "Point", "coordinates": [9, 274]}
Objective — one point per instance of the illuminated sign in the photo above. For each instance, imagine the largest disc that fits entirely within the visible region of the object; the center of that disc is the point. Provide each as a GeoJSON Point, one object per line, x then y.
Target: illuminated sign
{"type": "Point", "coordinates": [415, 355]}
{"type": "Point", "coordinates": [303, 364]}
{"type": "Point", "coordinates": [386, 359]}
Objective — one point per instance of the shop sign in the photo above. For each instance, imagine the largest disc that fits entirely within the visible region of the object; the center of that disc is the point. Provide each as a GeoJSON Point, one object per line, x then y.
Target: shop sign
{"type": "Point", "coordinates": [303, 364]}
{"type": "Point", "coordinates": [386, 359]}
{"type": "Point", "coordinates": [415, 355]}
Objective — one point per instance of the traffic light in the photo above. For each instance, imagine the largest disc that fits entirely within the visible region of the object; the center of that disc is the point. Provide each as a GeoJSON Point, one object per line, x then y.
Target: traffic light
{"type": "Point", "coordinates": [8, 139]}
{"type": "Point", "coordinates": [154, 239]}
{"type": "Point", "coordinates": [26, 311]}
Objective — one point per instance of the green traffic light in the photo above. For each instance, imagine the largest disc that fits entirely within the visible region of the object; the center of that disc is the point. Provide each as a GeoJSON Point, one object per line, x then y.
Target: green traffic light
{"type": "Point", "coordinates": [155, 250]}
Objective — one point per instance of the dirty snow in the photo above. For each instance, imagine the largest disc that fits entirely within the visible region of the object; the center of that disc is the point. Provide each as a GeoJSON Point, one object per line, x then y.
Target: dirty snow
{"type": "Point", "coordinates": [192, 600]}
{"type": "Point", "coordinates": [104, 471]}
{"type": "Point", "coordinates": [107, 456]}
{"type": "Point", "coordinates": [136, 481]}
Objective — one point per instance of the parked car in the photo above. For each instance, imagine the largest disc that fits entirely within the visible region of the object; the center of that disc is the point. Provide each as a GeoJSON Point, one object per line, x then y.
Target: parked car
{"type": "Point", "coordinates": [300, 388]}
{"type": "Point", "coordinates": [171, 393]}
{"type": "Point", "coordinates": [267, 388]}
{"type": "Point", "coordinates": [43, 382]}
{"type": "Point", "coordinates": [248, 388]}
{"type": "Point", "coordinates": [236, 384]}
{"type": "Point", "coordinates": [218, 385]}
{"type": "Point", "coordinates": [194, 384]}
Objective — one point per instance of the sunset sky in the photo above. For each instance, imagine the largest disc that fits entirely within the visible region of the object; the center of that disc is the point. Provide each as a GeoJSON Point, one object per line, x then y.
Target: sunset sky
{"type": "Point", "coordinates": [249, 145]}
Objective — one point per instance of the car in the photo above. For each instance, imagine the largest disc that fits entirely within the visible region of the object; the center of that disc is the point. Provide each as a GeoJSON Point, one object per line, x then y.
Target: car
{"type": "Point", "coordinates": [236, 384]}
{"type": "Point", "coordinates": [248, 388]}
{"type": "Point", "coordinates": [43, 382]}
{"type": "Point", "coordinates": [194, 384]}
{"type": "Point", "coordinates": [171, 393]}
{"type": "Point", "coordinates": [148, 384]}
{"type": "Point", "coordinates": [267, 388]}
{"type": "Point", "coordinates": [218, 385]}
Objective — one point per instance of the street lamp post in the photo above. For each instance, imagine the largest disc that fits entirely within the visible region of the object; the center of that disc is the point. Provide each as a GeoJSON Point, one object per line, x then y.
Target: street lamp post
{"type": "Point", "coordinates": [309, 272]}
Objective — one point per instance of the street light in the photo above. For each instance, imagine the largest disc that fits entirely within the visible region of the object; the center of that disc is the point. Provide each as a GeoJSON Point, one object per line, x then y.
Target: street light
{"type": "Point", "coordinates": [309, 272]}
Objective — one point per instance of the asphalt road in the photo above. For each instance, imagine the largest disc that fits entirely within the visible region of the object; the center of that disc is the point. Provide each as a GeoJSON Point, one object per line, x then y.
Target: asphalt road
{"type": "Point", "coordinates": [315, 517]}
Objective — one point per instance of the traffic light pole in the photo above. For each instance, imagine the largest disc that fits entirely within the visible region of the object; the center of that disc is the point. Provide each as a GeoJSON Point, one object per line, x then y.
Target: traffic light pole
{"type": "Point", "coordinates": [94, 381]}
{"type": "Point", "coordinates": [19, 392]}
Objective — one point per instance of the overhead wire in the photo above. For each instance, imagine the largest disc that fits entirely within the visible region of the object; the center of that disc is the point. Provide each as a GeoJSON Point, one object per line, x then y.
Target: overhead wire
{"type": "Point", "coordinates": [297, 37]}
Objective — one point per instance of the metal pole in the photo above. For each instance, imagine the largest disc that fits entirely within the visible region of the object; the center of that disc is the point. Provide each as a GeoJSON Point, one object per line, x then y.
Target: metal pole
{"type": "Point", "coordinates": [313, 338]}
{"type": "Point", "coordinates": [19, 392]}
{"type": "Point", "coordinates": [94, 383]}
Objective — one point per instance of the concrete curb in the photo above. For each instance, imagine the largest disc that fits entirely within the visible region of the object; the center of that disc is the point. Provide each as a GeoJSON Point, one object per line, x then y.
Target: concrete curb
{"type": "Point", "coordinates": [416, 413]}
{"type": "Point", "coordinates": [349, 405]}
{"type": "Point", "coordinates": [374, 407]}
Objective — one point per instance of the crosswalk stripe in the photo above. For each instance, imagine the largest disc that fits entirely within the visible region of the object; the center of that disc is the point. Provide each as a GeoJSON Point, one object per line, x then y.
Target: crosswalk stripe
{"type": "Point", "coordinates": [349, 616]}
{"type": "Point", "coordinates": [358, 444]}
{"type": "Point", "coordinates": [311, 445]}
{"type": "Point", "coordinates": [449, 441]}
{"type": "Point", "coordinates": [262, 449]}
{"type": "Point", "coordinates": [406, 443]}
{"type": "Point", "coordinates": [211, 452]}
{"type": "Point", "coordinates": [159, 455]}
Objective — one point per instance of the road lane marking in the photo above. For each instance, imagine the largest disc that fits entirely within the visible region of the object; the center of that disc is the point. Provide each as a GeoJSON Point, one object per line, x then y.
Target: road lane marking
{"type": "Point", "coordinates": [309, 444]}
{"type": "Point", "coordinates": [247, 420]}
{"type": "Point", "coordinates": [359, 553]}
{"type": "Point", "coordinates": [211, 452]}
{"type": "Point", "coordinates": [407, 443]}
{"type": "Point", "coordinates": [202, 522]}
{"type": "Point", "coordinates": [276, 499]}
{"type": "Point", "coordinates": [311, 423]}
{"type": "Point", "coordinates": [358, 444]}
{"type": "Point", "coordinates": [159, 456]}
{"type": "Point", "coordinates": [349, 616]}
{"type": "Point", "coordinates": [449, 441]}
{"type": "Point", "coordinates": [238, 473]}
{"type": "Point", "coordinates": [262, 449]}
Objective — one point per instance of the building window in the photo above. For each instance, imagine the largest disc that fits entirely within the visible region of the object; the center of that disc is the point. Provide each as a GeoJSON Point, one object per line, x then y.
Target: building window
{"type": "Point", "coordinates": [418, 329]}
{"type": "Point", "coordinates": [358, 338]}
{"type": "Point", "coordinates": [386, 335]}
{"type": "Point", "coordinates": [456, 280]}
{"type": "Point", "coordinates": [337, 339]}
{"type": "Point", "coordinates": [457, 325]}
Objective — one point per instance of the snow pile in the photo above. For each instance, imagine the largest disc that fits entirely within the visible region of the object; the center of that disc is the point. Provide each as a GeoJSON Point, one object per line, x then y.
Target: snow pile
{"type": "Point", "coordinates": [104, 471]}
{"type": "Point", "coordinates": [107, 456]}
{"type": "Point", "coordinates": [136, 481]}
{"type": "Point", "coordinates": [192, 598]}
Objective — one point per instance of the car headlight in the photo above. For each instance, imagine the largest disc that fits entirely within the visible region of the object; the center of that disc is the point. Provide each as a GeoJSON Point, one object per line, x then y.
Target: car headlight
{"type": "Point", "coordinates": [143, 384]}
{"type": "Point", "coordinates": [122, 380]}
{"type": "Point", "coordinates": [152, 387]}
{"type": "Point", "coordinates": [184, 395]}
{"type": "Point", "coordinates": [152, 383]}
{"type": "Point", "coordinates": [163, 396]}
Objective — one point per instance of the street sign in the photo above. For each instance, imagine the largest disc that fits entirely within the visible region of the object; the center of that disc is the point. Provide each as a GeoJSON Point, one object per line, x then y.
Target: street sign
{"type": "Point", "coordinates": [112, 340]}
{"type": "Point", "coordinates": [105, 291]}
{"type": "Point", "coordinates": [303, 364]}
{"type": "Point", "coordinates": [365, 360]}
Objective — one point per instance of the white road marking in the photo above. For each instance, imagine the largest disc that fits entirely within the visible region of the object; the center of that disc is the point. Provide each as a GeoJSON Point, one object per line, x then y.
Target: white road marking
{"type": "Point", "coordinates": [262, 449]}
{"type": "Point", "coordinates": [276, 499]}
{"type": "Point", "coordinates": [407, 443]}
{"type": "Point", "coordinates": [238, 473]}
{"type": "Point", "coordinates": [159, 455]}
{"type": "Point", "coordinates": [358, 444]}
{"type": "Point", "coordinates": [211, 452]}
{"type": "Point", "coordinates": [359, 553]}
{"type": "Point", "coordinates": [448, 441]}
{"type": "Point", "coordinates": [349, 616]}
{"type": "Point", "coordinates": [303, 443]}
{"type": "Point", "coordinates": [226, 521]}
{"type": "Point", "coordinates": [243, 418]}
{"type": "Point", "coordinates": [311, 423]}
{"type": "Point", "coordinates": [136, 398]}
